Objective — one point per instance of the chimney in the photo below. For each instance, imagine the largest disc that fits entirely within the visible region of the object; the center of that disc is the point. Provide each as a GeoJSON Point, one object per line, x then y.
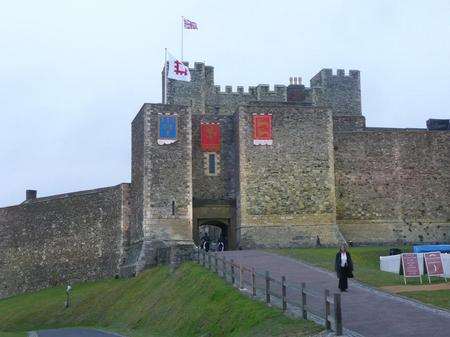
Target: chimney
{"type": "Point", "coordinates": [31, 194]}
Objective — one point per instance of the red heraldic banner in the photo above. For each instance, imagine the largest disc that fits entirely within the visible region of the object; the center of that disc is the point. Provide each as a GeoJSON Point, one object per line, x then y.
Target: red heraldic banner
{"type": "Point", "coordinates": [210, 137]}
{"type": "Point", "coordinates": [262, 129]}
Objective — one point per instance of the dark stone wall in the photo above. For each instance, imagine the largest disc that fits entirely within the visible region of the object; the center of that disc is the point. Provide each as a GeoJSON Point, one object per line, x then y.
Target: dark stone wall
{"type": "Point", "coordinates": [393, 185]}
{"type": "Point", "coordinates": [220, 187]}
{"type": "Point", "coordinates": [70, 237]}
{"type": "Point", "coordinates": [286, 190]}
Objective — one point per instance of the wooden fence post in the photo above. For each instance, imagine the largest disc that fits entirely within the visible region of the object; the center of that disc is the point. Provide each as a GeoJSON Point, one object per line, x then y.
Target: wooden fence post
{"type": "Point", "coordinates": [240, 277]}
{"type": "Point", "coordinates": [304, 312]}
{"type": "Point", "coordinates": [338, 314]}
{"type": "Point", "coordinates": [283, 292]}
{"type": "Point", "coordinates": [253, 282]}
{"type": "Point", "coordinates": [327, 310]}
{"type": "Point", "coordinates": [232, 272]}
{"type": "Point", "coordinates": [267, 287]}
{"type": "Point", "coordinates": [224, 268]}
{"type": "Point", "coordinates": [209, 260]}
{"type": "Point", "coordinates": [216, 263]}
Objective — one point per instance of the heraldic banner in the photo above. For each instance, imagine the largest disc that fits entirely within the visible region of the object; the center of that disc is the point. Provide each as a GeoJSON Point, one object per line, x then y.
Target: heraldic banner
{"type": "Point", "coordinates": [167, 129]}
{"type": "Point", "coordinates": [210, 137]}
{"type": "Point", "coordinates": [262, 129]}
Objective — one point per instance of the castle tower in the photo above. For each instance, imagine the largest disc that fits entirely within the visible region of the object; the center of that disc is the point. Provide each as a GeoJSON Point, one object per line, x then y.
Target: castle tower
{"type": "Point", "coordinates": [341, 93]}
{"type": "Point", "coordinates": [161, 179]}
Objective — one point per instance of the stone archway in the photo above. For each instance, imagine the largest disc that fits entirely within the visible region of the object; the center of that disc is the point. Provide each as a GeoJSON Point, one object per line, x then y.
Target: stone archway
{"type": "Point", "coordinates": [216, 229]}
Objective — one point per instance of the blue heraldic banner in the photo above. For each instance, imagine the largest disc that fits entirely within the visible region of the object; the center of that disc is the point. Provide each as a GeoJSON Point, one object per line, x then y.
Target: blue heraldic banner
{"type": "Point", "coordinates": [167, 127]}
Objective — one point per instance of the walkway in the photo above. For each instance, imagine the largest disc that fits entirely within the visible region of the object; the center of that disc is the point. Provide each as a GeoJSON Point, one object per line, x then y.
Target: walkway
{"type": "Point", "coordinates": [366, 311]}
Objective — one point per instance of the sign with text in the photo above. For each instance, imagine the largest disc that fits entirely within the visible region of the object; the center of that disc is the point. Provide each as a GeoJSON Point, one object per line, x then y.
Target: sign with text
{"type": "Point", "coordinates": [410, 264]}
{"type": "Point", "coordinates": [210, 137]}
{"type": "Point", "coordinates": [262, 129]}
{"type": "Point", "coordinates": [434, 265]}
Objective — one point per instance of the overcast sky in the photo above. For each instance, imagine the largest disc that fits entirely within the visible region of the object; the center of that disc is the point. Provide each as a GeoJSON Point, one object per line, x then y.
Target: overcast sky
{"type": "Point", "coordinates": [73, 74]}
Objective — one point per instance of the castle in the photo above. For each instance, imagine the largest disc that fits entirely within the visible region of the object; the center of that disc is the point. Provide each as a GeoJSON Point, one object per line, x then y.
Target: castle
{"type": "Point", "coordinates": [260, 168]}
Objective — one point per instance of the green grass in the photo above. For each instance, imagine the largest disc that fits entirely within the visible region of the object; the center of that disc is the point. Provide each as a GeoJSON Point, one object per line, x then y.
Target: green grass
{"type": "Point", "coordinates": [439, 298]}
{"type": "Point", "coordinates": [366, 262]}
{"type": "Point", "coordinates": [189, 302]}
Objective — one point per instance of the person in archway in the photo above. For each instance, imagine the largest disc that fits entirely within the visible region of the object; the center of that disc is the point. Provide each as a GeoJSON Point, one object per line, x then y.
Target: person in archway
{"type": "Point", "coordinates": [220, 245]}
{"type": "Point", "coordinates": [205, 242]}
{"type": "Point", "coordinates": [343, 267]}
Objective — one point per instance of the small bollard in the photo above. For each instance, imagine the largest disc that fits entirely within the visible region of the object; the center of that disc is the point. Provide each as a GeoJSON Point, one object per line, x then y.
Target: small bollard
{"type": "Point", "coordinates": [68, 292]}
{"type": "Point", "coordinates": [327, 310]}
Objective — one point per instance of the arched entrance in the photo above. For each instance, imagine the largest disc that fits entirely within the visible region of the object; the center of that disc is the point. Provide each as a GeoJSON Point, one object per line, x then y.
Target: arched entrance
{"type": "Point", "coordinates": [215, 229]}
{"type": "Point", "coordinates": [216, 217]}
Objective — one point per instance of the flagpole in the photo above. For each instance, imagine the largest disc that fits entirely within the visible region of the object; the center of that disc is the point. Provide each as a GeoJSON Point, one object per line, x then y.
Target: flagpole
{"type": "Point", "coordinates": [182, 32]}
{"type": "Point", "coordinates": [165, 75]}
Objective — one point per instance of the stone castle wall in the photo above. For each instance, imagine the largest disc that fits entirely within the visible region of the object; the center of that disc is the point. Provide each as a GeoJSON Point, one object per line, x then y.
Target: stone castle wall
{"type": "Point", "coordinates": [286, 190]}
{"type": "Point", "coordinates": [64, 238]}
{"type": "Point", "coordinates": [393, 185]}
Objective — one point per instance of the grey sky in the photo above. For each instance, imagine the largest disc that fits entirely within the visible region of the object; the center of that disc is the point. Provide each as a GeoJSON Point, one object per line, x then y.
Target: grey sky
{"type": "Point", "coordinates": [74, 73]}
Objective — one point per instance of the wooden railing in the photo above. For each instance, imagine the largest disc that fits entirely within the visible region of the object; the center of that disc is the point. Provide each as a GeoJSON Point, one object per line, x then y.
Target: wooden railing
{"type": "Point", "coordinates": [277, 292]}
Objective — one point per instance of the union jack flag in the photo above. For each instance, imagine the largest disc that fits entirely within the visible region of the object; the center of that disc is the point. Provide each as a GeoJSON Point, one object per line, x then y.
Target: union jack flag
{"type": "Point", "coordinates": [189, 24]}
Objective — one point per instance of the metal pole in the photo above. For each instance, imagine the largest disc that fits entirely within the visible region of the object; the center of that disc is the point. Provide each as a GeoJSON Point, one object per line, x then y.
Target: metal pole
{"type": "Point", "coordinates": [165, 75]}
{"type": "Point", "coordinates": [182, 33]}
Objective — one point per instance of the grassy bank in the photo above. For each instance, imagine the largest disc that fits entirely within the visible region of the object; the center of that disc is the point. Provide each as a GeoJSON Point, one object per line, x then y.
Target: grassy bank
{"type": "Point", "coordinates": [367, 269]}
{"type": "Point", "coordinates": [189, 302]}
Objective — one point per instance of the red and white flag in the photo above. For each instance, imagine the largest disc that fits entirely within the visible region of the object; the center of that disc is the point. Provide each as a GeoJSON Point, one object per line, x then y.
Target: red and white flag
{"type": "Point", "coordinates": [188, 24]}
{"type": "Point", "coordinates": [176, 70]}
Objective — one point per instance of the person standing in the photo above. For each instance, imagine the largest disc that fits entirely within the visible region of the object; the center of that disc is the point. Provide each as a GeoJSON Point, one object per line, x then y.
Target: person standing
{"type": "Point", "coordinates": [220, 245]}
{"type": "Point", "coordinates": [343, 267]}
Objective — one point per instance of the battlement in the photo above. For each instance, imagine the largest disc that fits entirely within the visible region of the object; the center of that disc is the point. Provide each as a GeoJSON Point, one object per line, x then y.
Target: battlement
{"type": "Point", "coordinates": [261, 89]}
{"type": "Point", "coordinates": [325, 75]}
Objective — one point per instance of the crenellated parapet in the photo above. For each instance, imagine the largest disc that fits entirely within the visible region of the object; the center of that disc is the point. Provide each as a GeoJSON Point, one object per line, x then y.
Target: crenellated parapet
{"type": "Point", "coordinates": [340, 91]}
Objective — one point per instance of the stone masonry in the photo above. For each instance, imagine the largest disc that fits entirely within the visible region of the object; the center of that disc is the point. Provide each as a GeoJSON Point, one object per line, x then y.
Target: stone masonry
{"type": "Point", "coordinates": [325, 176]}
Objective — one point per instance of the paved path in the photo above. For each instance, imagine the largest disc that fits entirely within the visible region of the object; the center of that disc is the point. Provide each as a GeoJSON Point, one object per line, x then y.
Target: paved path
{"type": "Point", "coordinates": [367, 311]}
{"type": "Point", "coordinates": [71, 332]}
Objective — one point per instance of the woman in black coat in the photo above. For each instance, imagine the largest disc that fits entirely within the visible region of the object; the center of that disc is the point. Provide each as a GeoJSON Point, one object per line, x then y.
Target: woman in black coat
{"type": "Point", "coordinates": [343, 267]}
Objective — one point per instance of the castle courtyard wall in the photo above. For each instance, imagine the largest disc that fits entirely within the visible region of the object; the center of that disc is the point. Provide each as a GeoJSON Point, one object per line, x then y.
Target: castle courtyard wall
{"type": "Point", "coordinates": [286, 190]}
{"type": "Point", "coordinates": [393, 185]}
{"type": "Point", "coordinates": [64, 238]}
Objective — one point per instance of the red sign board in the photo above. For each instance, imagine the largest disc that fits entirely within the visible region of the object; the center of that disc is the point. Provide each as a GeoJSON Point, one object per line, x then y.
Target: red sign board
{"type": "Point", "coordinates": [210, 137]}
{"type": "Point", "coordinates": [410, 264]}
{"type": "Point", "coordinates": [262, 129]}
{"type": "Point", "coordinates": [433, 262]}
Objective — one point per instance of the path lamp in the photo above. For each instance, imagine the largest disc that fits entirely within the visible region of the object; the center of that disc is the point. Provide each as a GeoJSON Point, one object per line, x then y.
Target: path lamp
{"type": "Point", "coordinates": [68, 292]}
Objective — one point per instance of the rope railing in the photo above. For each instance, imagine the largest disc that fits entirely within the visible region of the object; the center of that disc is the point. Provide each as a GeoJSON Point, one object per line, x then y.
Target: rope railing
{"type": "Point", "coordinates": [277, 292]}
